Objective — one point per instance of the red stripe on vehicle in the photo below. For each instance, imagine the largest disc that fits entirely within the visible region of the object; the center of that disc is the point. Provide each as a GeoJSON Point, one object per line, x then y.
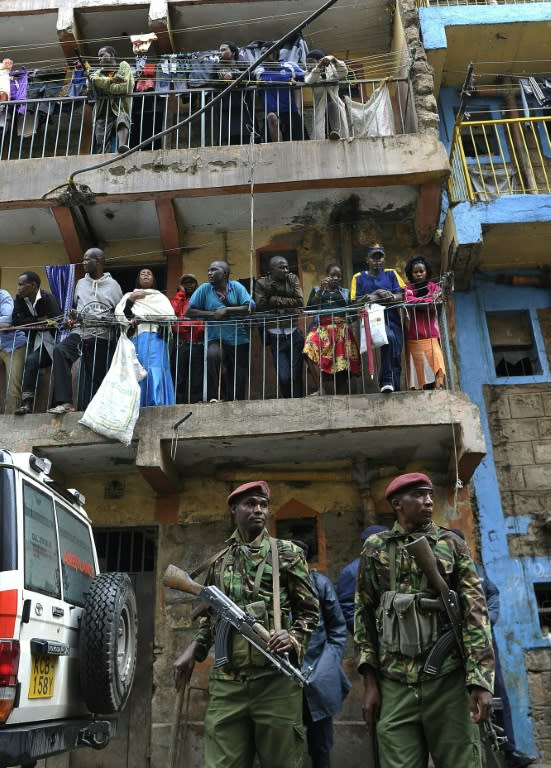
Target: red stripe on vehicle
{"type": "Point", "coordinates": [8, 612]}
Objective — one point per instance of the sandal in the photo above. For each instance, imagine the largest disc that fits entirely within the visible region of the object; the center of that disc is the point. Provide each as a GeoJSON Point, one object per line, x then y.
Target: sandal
{"type": "Point", "coordinates": [62, 409]}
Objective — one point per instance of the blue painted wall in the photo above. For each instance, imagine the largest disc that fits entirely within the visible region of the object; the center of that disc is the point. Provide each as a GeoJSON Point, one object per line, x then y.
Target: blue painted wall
{"type": "Point", "coordinates": [518, 628]}
{"type": "Point", "coordinates": [435, 20]}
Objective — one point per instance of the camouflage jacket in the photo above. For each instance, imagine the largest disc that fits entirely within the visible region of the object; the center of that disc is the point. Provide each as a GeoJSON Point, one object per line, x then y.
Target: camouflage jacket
{"type": "Point", "coordinates": [459, 571]}
{"type": "Point", "coordinates": [236, 572]}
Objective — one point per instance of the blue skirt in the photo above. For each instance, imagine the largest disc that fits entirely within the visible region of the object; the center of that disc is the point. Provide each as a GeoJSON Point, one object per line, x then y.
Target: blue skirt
{"type": "Point", "coordinates": [158, 387]}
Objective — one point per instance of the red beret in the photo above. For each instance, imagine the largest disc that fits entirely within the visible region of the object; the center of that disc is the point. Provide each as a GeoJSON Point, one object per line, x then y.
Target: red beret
{"type": "Point", "coordinates": [256, 487]}
{"type": "Point", "coordinates": [411, 480]}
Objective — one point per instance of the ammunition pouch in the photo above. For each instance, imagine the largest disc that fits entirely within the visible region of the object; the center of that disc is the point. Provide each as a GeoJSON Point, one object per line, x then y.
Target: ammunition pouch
{"type": "Point", "coordinates": [242, 653]}
{"type": "Point", "coordinates": [408, 623]}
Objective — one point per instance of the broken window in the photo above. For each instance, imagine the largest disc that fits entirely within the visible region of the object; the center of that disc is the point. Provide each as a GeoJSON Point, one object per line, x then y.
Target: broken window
{"type": "Point", "coordinates": [513, 346]}
{"type": "Point", "coordinates": [543, 600]}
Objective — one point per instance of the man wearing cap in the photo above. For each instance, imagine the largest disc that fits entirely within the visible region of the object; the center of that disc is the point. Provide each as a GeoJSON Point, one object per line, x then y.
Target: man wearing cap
{"type": "Point", "coordinates": [416, 713]}
{"type": "Point", "coordinates": [346, 587]}
{"type": "Point", "coordinates": [383, 286]}
{"type": "Point", "coordinates": [253, 709]}
{"type": "Point", "coordinates": [187, 352]}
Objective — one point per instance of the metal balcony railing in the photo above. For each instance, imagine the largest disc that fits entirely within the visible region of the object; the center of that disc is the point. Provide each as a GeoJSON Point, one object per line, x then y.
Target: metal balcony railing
{"type": "Point", "coordinates": [493, 158]}
{"type": "Point", "coordinates": [271, 364]}
{"type": "Point", "coordinates": [61, 127]}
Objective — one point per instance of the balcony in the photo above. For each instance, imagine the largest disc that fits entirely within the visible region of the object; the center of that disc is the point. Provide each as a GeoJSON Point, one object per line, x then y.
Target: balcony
{"type": "Point", "coordinates": [493, 158]}
{"type": "Point", "coordinates": [65, 127]}
{"type": "Point", "coordinates": [499, 193]}
{"type": "Point", "coordinates": [359, 424]}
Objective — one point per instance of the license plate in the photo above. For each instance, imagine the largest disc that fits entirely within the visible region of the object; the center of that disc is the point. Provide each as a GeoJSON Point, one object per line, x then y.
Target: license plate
{"type": "Point", "coordinates": [41, 685]}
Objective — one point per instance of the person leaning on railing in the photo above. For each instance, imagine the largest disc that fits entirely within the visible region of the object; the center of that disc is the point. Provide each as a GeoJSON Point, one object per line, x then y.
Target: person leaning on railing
{"type": "Point", "coordinates": [236, 108]}
{"type": "Point", "coordinates": [113, 84]}
{"type": "Point", "coordinates": [330, 349]}
{"type": "Point", "coordinates": [424, 358]}
{"type": "Point", "coordinates": [219, 301]}
{"type": "Point", "coordinates": [280, 294]}
{"type": "Point", "coordinates": [91, 337]}
{"type": "Point", "coordinates": [144, 309]}
{"type": "Point", "coordinates": [187, 349]}
{"type": "Point", "coordinates": [383, 286]}
{"type": "Point", "coordinates": [283, 117]}
{"type": "Point", "coordinates": [34, 305]}
{"type": "Point", "coordinates": [329, 108]}
{"type": "Point", "coordinates": [12, 352]}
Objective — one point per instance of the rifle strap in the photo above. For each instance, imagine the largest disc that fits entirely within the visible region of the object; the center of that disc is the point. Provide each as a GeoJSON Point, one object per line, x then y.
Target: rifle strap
{"type": "Point", "coordinates": [207, 563]}
{"type": "Point", "coordinates": [275, 584]}
{"type": "Point", "coordinates": [392, 564]}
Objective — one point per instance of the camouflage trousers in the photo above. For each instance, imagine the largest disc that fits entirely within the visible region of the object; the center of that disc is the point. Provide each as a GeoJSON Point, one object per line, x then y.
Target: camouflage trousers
{"type": "Point", "coordinates": [262, 715]}
{"type": "Point", "coordinates": [433, 717]}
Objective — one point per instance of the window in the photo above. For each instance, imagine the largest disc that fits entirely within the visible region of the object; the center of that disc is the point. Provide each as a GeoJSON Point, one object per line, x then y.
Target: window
{"type": "Point", "coordinates": [77, 556]}
{"type": "Point", "coordinates": [41, 552]}
{"type": "Point", "coordinates": [543, 600]}
{"type": "Point", "coordinates": [482, 141]}
{"type": "Point", "coordinates": [302, 528]}
{"type": "Point", "coordinates": [513, 346]}
{"type": "Point", "coordinates": [128, 549]}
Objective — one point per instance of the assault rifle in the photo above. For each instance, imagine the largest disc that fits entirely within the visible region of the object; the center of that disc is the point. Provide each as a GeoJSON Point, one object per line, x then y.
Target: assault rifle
{"type": "Point", "coordinates": [231, 615]}
{"type": "Point", "coordinates": [427, 562]}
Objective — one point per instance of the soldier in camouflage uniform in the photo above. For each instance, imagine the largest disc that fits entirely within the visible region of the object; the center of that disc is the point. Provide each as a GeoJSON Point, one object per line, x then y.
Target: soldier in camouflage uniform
{"type": "Point", "coordinates": [416, 713]}
{"type": "Point", "coordinates": [253, 709]}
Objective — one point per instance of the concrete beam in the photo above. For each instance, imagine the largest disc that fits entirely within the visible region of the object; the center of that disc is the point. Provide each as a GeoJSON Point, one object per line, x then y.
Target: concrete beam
{"type": "Point", "coordinates": [170, 240]}
{"type": "Point", "coordinates": [428, 211]}
{"type": "Point", "coordinates": [154, 463]}
{"type": "Point", "coordinates": [340, 428]}
{"type": "Point", "coordinates": [69, 233]}
{"type": "Point", "coordinates": [159, 22]}
{"type": "Point", "coordinates": [372, 162]}
{"type": "Point", "coordinates": [67, 31]}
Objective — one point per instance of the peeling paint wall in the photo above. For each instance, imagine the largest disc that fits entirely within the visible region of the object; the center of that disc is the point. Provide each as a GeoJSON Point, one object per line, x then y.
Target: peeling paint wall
{"type": "Point", "coordinates": [512, 487]}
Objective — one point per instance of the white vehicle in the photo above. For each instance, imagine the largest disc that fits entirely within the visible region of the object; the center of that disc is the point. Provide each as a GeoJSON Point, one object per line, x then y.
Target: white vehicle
{"type": "Point", "coordinates": [67, 633]}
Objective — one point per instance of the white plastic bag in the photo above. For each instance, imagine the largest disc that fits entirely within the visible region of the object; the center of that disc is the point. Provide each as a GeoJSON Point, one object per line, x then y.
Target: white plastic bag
{"type": "Point", "coordinates": [376, 313]}
{"type": "Point", "coordinates": [114, 409]}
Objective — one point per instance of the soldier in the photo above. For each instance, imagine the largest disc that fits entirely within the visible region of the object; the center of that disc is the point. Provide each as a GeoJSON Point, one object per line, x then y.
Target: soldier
{"type": "Point", "coordinates": [253, 709]}
{"type": "Point", "coordinates": [416, 713]}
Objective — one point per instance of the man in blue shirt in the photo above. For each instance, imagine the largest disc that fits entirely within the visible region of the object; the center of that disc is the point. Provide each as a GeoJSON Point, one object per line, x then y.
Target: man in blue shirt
{"type": "Point", "coordinates": [12, 353]}
{"type": "Point", "coordinates": [283, 117]}
{"type": "Point", "coordinates": [218, 301]}
{"type": "Point", "coordinates": [383, 286]}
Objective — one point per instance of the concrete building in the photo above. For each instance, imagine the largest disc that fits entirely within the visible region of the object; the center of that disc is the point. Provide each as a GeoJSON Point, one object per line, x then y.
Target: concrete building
{"type": "Point", "coordinates": [488, 61]}
{"type": "Point", "coordinates": [190, 199]}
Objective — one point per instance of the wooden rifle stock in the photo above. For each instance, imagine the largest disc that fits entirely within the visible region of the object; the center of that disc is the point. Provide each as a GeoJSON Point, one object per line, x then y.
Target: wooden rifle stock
{"type": "Point", "coordinates": [176, 578]}
{"type": "Point", "coordinates": [426, 560]}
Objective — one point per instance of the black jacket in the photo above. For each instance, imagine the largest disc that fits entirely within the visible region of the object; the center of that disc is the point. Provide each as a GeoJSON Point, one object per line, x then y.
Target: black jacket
{"type": "Point", "coordinates": [46, 307]}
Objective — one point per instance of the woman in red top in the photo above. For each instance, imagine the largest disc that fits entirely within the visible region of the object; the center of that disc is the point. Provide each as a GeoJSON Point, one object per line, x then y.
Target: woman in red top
{"type": "Point", "coordinates": [425, 362]}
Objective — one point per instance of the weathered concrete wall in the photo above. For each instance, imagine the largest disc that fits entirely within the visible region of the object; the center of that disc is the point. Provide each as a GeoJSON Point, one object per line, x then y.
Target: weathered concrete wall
{"type": "Point", "coordinates": [520, 422]}
{"type": "Point", "coordinates": [538, 665]}
{"type": "Point", "coordinates": [373, 161]}
{"type": "Point", "coordinates": [422, 74]}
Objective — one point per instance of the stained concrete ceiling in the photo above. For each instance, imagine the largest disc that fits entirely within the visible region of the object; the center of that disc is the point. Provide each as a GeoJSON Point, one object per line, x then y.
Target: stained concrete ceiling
{"type": "Point", "coordinates": [32, 38]}
{"type": "Point", "coordinates": [428, 446]}
{"type": "Point", "coordinates": [138, 219]}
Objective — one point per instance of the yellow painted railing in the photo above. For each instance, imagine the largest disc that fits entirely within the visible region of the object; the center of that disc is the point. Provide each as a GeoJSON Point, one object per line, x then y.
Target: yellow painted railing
{"type": "Point", "coordinates": [445, 3]}
{"type": "Point", "coordinates": [492, 158]}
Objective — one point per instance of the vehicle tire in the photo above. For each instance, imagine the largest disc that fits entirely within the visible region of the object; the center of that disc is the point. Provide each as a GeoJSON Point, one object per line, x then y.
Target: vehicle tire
{"type": "Point", "coordinates": [108, 643]}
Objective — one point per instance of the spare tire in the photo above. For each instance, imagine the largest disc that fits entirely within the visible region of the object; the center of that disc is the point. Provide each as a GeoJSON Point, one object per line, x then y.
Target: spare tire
{"type": "Point", "coordinates": [108, 643]}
